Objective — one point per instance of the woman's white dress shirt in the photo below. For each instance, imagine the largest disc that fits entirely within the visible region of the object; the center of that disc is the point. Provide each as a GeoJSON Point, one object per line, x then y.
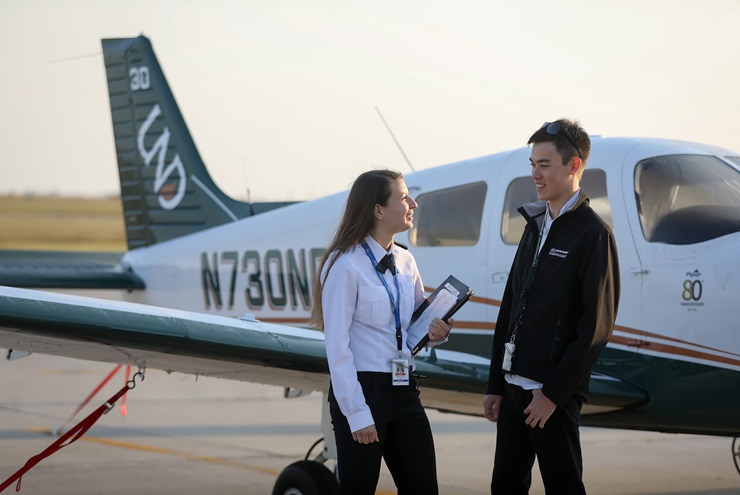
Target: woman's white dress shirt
{"type": "Point", "coordinates": [359, 325]}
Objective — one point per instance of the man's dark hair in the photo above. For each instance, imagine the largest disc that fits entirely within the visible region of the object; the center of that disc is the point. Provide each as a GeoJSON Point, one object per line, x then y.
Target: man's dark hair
{"type": "Point", "coordinates": [569, 137]}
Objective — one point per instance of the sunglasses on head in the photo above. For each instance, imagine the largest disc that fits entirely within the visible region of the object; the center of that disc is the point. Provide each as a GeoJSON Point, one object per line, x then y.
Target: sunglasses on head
{"type": "Point", "coordinates": [554, 128]}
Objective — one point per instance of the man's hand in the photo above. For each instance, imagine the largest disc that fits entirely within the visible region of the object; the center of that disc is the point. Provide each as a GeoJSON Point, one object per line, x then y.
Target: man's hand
{"type": "Point", "coordinates": [366, 435]}
{"type": "Point", "coordinates": [539, 410]}
{"type": "Point", "coordinates": [491, 407]}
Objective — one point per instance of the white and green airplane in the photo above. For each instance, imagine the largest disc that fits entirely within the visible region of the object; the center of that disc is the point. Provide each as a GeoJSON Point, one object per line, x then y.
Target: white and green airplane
{"type": "Point", "coordinates": [212, 286]}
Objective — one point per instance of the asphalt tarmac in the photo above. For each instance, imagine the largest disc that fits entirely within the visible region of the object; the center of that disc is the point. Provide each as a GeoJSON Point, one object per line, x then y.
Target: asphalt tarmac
{"type": "Point", "coordinates": [183, 435]}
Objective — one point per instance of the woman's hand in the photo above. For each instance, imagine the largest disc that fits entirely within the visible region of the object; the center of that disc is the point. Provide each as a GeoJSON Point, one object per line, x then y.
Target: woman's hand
{"type": "Point", "coordinates": [439, 330]}
{"type": "Point", "coordinates": [366, 435]}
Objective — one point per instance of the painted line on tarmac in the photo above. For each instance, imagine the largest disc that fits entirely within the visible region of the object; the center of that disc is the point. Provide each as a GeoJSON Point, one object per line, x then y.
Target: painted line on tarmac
{"type": "Point", "coordinates": [164, 451]}
{"type": "Point", "coordinates": [177, 453]}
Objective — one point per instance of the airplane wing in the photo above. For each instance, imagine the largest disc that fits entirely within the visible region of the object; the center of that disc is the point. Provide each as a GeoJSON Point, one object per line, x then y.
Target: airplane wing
{"type": "Point", "coordinates": [152, 337]}
{"type": "Point", "coordinates": [233, 348]}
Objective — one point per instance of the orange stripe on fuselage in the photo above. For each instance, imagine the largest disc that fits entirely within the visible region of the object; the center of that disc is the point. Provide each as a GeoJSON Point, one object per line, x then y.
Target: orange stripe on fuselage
{"type": "Point", "coordinates": [674, 350]}
{"type": "Point", "coordinates": [643, 333]}
{"type": "Point", "coordinates": [615, 339]}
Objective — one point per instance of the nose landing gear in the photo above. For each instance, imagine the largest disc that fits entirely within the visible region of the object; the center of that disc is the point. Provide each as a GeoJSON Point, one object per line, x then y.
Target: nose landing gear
{"type": "Point", "coordinates": [312, 477]}
{"type": "Point", "coordinates": [307, 477]}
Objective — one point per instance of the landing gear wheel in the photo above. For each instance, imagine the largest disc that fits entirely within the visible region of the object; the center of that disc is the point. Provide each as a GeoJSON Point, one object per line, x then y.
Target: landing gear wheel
{"type": "Point", "coordinates": [306, 478]}
{"type": "Point", "coordinates": [736, 453]}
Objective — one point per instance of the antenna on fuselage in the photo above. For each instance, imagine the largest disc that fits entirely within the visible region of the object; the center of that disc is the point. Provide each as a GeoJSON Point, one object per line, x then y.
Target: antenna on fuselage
{"type": "Point", "coordinates": [249, 202]}
{"type": "Point", "coordinates": [395, 140]}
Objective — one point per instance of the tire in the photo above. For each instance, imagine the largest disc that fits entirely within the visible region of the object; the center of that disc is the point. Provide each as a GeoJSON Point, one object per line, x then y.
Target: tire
{"type": "Point", "coordinates": [306, 478]}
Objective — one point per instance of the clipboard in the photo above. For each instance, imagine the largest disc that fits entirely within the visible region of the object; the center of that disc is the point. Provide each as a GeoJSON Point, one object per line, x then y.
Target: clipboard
{"type": "Point", "coordinates": [442, 303]}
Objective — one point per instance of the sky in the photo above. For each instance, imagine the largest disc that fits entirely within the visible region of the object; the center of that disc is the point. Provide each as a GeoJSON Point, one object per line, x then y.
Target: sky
{"type": "Point", "coordinates": [281, 95]}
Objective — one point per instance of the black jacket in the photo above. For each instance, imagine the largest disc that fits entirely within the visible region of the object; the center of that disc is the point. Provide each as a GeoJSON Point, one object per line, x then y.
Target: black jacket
{"type": "Point", "coordinates": [571, 307]}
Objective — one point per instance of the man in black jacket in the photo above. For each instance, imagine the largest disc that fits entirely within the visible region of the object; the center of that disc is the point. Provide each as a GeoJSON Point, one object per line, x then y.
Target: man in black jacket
{"type": "Point", "coordinates": [556, 316]}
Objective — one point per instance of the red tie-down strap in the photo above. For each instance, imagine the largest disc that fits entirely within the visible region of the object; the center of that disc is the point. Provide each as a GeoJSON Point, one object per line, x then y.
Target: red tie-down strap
{"type": "Point", "coordinates": [58, 431]}
{"type": "Point", "coordinates": [72, 435]}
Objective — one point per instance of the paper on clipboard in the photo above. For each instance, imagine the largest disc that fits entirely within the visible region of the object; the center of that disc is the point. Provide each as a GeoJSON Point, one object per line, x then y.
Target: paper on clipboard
{"type": "Point", "coordinates": [442, 303]}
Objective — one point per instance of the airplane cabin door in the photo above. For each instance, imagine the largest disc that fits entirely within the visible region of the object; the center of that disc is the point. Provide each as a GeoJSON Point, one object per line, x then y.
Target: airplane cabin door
{"type": "Point", "coordinates": [448, 239]}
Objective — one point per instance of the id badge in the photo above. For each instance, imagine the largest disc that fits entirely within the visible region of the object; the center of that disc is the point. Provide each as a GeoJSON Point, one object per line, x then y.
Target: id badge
{"type": "Point", "coordinates": [509, 350]}
{"type": "Point", "coordinates": [400, 371]}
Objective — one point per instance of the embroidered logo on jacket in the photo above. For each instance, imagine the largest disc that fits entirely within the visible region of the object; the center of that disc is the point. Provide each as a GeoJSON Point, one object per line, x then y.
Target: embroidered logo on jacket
{"type": "Point", "coordinates": [558, 252]}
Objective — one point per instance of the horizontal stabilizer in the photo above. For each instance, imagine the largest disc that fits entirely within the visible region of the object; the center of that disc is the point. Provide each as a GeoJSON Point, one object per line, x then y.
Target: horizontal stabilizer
{"type": "Point", "coordinates": [65, 269]}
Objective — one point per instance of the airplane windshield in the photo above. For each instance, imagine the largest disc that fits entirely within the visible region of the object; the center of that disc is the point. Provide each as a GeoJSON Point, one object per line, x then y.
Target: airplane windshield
{"type": "Point", "coordinates": [685, 199]}
{"type": "Point", "coordinates": [734, 159]}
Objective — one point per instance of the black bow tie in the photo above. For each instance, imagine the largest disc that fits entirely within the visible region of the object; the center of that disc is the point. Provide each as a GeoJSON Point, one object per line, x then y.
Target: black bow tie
{"type": "Point", "coordinates": [386, 263]}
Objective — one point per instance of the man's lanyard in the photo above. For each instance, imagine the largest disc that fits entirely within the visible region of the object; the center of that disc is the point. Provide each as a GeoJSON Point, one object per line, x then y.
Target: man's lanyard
{"type": "Point", "coordinates": [396, 307]}
{"type": "Point", "coordinates": [530, 275]}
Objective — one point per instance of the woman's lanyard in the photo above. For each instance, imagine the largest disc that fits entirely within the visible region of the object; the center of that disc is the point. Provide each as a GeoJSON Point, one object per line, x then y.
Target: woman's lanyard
{"type": "Point", "coordinates": [396, 307]}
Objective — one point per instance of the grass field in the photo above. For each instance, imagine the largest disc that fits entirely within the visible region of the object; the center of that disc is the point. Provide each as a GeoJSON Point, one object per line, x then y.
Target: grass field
{"type": "Point", "coordinates": [61, 223]}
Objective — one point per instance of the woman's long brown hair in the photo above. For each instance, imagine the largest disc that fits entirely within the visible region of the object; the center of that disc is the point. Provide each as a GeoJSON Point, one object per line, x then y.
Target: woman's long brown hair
{"type": "Point", "coordinates": [370, 188]}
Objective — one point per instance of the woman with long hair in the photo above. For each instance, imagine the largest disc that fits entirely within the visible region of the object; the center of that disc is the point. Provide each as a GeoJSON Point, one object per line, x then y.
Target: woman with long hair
{"type": "Point", "coordinates": [367, 290]}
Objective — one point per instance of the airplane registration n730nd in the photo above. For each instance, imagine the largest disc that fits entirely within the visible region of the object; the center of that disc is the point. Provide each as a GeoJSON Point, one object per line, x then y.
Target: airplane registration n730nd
{"type": "Point", "coordinates": [674, 208]}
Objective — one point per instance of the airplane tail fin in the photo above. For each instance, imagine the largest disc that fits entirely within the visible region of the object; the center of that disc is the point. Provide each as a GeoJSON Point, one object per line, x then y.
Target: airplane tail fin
{"type": "Point", "coordinates": [166, 189]}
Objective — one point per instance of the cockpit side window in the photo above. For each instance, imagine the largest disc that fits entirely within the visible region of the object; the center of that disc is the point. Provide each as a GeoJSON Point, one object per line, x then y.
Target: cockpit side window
{"type": "Point", "coordinates": [686, 199]}
{"type": "Point", "coordinates": [522, 191]}
{"type": "Point", "coordinates": [449, 217]}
